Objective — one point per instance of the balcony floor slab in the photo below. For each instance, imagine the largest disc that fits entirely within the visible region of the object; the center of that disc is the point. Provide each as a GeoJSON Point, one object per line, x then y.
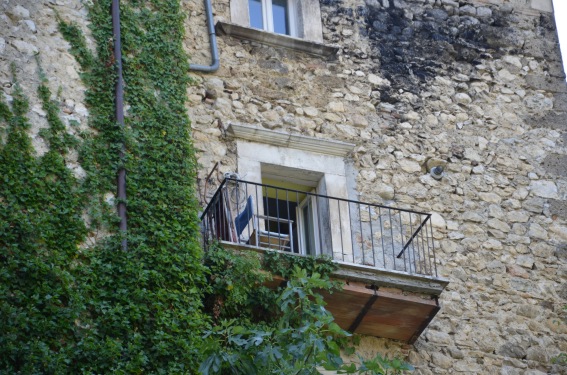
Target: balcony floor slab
{"type": "Point", "coordinates": [375, 302]}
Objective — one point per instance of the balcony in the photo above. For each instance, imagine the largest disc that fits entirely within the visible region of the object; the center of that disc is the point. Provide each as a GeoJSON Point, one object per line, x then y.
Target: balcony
{"type": "Point", "coordinates": [386, 256]}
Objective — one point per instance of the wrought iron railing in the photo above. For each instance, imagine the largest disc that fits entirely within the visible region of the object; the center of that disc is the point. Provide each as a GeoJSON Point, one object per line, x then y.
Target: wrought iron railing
{"type": "Point", "coordinates": [313, 224]}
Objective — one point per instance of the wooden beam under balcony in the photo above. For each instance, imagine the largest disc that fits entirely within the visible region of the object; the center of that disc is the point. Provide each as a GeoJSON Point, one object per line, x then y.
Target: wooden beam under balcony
{"type": "Point", "coordinates": [381, 312]}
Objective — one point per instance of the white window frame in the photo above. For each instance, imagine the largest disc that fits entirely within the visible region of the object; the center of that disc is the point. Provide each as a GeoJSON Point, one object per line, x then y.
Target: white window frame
{"type": "Point", "coordinates": [301, 228]}
{"type": "Point", "coordinates": [304, 17]}
{"type": "Point", "coordinates": [268, 18]}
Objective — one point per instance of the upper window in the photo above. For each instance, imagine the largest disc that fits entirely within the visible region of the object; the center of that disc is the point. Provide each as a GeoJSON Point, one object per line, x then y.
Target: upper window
{"type": "Point", "coordinates": [277, 16]}
{"type": "Point", "coordinates": [296, 18]}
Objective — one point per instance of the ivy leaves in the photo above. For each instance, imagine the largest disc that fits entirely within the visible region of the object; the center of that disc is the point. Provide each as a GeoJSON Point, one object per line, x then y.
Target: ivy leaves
{"type": "Point", "coordinates": [300, 337]}
{"type": "Point", "coordinates": [144, 306]}
{"type": "Point", "coordinates": [41, 227]}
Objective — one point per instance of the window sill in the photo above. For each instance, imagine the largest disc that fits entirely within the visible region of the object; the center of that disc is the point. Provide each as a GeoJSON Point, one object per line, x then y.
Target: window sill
{"type": "Point", "coordinates": [277, 40]}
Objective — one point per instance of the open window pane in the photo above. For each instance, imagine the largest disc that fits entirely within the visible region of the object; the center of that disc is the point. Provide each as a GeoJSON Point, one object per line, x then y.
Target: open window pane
{"type": "Point", "coordinates": [308, 226]}
{"type": "Point", "coordinates": [256, 17]}
{"type": "Point", "coordinates": [308, 230]}
{"type": "Point", "coordinates": [280, 15]}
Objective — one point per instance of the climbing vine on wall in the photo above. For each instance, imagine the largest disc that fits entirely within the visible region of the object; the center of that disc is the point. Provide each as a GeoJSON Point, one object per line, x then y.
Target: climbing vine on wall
{"type": "Point", "coordinates": [40, 229]}
{"type": "Point", "coordinates": [70, 300]}
{"type": "Point", "coordinates": [144, 303]}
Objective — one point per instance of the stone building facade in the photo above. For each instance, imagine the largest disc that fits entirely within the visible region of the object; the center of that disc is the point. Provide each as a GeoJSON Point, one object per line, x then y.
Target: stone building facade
{"type": "Point", "coordinates": [475, 86]}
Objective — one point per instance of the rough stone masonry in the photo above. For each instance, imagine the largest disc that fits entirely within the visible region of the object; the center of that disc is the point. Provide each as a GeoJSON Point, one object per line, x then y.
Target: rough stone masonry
{"type": "Point", "coordinates": [475, 85]}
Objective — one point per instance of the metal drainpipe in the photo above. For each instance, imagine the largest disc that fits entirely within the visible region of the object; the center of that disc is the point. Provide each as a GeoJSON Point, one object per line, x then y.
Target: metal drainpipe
{"type": "Point", "coordinates": [212, 40]}
{"type": "Point", "coordinates": [119, 113]}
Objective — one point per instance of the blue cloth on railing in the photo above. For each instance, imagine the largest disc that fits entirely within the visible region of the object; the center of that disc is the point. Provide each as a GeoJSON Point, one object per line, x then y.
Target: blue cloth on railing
{"type": "Point", "coordinates": [244, 217]}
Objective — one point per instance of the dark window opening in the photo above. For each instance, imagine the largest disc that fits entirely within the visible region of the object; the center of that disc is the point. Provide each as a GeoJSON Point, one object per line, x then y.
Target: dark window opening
{"type": "Point", "coordinates": [282, 209]}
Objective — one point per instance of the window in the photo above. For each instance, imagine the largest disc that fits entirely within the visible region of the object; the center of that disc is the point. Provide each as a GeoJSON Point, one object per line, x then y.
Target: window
{"type": "Point", "coordinates": [299, 208]}
{"type": "Point", "coordinates": [277, 16]}
{"type": "Point", "coordinates": [309, 167]}
{"type": "Point", "coordinates": [296, 18]}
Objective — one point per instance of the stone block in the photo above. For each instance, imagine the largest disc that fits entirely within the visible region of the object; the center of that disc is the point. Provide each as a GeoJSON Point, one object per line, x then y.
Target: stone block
{"type": "Point", "coordinates": [546, 83]}
{"type": "Point", "coordinates": [359, 121]}
{"type": "Point", "coordinates": [439, 337]}
{"type": "Point", "coordinates": [336, 107]}
{"type": "Point", "coordinates": [555, 164]}
{"type": "Point", "coordinates": [462, 98]}
{"type": "Point", "coordinates": [18, 13]}
{"type": "Point", "coordinates": [552, 119]}
{"type": "Point", "coordinates": [539, 354]}
{"type": "Point", "coordinates": [525, 261]}
{"type": "Point", "coordinates": [544, 189]}
{"type": "Point", "coordinates": [558, 207]}
{"type": "Point", "coordinates": [535, 47]}
{"type": "Point", "coordinates": [483, 12]}
{"type": "Point", "coordinates": [499, 225]}
{"type": "Point", "coordinates": [543, 5]}
{"type": "Point", "coordinates": [560, 231]}
{"type": "Point", "coordinates": [311, 111]}
{"type": "Point", "coordinates": [438, 222]}
{"type": "Point", "coordinates": [492, 244]}
{"type": "Point", "coordinates": [467, 10]}
{"type": "Point", "coordinates": [510, 370]}
{"type": "Point", "coordinates": [538, 102]}
{"type": "Point", "coordinates": [409, 166]}
{"type": "Point", "coordinates": [441, 360]}
{"type": "Point", "coordinates": [561, 252]}
{"type": "Point", "coordinates": [537, 232]}
{"type": "Point", "coordinates": [25, 47]}
{"type": "Point", "coordinates": [555, 69]}
{"type": "Point", "coordinates": [560, 100]}
{"type": "Point", "coordinates": [490, 197]}
{"type": "Point", "coordinates": [30, 25]}
{"type": "Point", "coordinates": [534, 205]}
{"type": "Point", "coordinates": [517, 271]}
{"type": "Point", "coordinates": [473, 216]}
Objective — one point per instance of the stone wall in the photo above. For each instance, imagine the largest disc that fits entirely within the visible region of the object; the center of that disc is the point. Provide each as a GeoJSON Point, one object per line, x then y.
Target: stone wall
{"type": "Point", "coordinates": [28, 34]}
{"type": "Point", "coordinates": [477, 86]}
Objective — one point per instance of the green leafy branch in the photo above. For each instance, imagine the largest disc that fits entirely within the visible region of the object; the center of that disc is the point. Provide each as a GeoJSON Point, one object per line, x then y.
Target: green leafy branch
{"type": "Point", "coordinates": [298, 336]}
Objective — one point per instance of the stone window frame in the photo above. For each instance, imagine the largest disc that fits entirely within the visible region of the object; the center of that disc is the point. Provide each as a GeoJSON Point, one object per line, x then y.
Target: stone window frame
{"type": "Point", "coordinates": [258, 148]}
{"type": "Point", "coordinates": [308, 36]}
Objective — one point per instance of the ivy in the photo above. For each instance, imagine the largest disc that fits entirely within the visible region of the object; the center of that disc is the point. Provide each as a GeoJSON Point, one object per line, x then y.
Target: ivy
{"type": "Point", "coordinates": [40, 229]}
{"type": "Point", "coordinates": [237, 282]}
{"type": "Point", "coordinates": [143, 305]}
{"type": "Point", "coordinates": [283, 264]}
{"type": "Point", "coordinates": [70, 300]}
{"type": "Point", "coordinates": [235, 286]}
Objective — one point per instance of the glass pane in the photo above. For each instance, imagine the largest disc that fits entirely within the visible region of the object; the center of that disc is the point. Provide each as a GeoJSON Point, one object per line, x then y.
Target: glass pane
{"type": "Point", "coordinates": [280, 11]}
{"type": "Point", "coordinates": [256, 18]}
{"type": "Point", "coordinates": [308, 228]}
